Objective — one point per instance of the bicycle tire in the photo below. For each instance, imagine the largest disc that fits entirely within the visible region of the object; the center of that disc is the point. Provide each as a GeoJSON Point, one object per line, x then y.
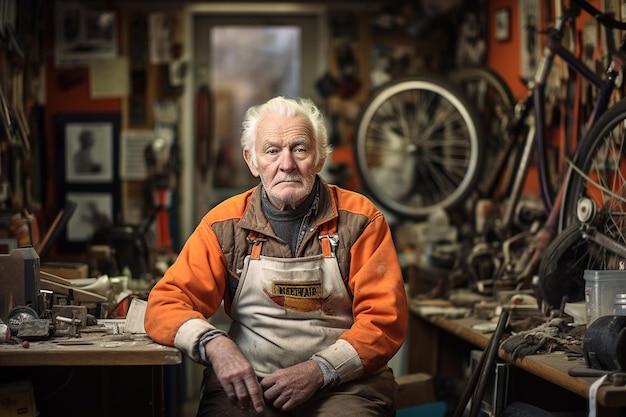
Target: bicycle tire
{"type": "Point", "coordinates": [597, 173]}
{"type": "Point", "coordinates": [490, 94]}
{"type": "Point", "coordinates": [562, 265]}
{"type": "Point", "coordinates": [495, 104]}
{"type": "Point", "coordinates": [418, 145]}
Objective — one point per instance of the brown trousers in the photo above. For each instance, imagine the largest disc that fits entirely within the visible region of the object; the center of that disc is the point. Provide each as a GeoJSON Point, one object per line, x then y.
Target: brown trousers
{"type": "Point", "coordinates": [371, 396]}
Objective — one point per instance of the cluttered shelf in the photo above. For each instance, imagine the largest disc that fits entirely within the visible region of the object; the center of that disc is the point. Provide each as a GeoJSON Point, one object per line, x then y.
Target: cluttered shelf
{"type": "Point", "coordinates": [438, 335]}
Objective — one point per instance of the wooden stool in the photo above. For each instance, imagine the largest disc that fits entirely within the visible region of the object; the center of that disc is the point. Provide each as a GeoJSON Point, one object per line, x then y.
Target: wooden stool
{"type": "Point", "coordinates": [415, 389]}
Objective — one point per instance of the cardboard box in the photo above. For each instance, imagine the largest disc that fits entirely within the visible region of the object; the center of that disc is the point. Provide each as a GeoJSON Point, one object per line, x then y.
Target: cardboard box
{"type": "Point", "coordinates": [17, 400]}
{"type": "Point", "coordinates": [67, 270]}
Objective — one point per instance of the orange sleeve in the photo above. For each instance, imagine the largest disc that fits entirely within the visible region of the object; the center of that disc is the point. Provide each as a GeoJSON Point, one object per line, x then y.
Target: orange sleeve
{"type": "Point", "coordinates": [193, 287]}
{"type": "Point", "coordinates": [380, 305]}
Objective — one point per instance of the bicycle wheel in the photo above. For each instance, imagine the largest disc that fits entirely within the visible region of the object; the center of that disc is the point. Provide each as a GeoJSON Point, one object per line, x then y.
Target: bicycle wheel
{"type": "Point", "coordinates": [598, 174]}
{"type": "Point", "coordinates": [418, 146]}
{"type": "Point", "coordinates": [494, 102]}
{"type": "Point", "coordinates": [492, 98]}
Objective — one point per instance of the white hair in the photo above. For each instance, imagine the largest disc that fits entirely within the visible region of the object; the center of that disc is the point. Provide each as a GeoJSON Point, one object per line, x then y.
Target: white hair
{"type": "Point", "coordinates": [290, 108]}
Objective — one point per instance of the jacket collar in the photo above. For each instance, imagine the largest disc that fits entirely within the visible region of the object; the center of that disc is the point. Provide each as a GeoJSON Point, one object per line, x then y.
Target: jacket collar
{"type": "Point", "coordinates": [254, 219]}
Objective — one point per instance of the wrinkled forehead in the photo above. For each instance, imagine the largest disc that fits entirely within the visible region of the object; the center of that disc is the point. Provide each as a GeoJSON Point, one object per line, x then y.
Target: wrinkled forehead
{"type": "Point", "coordinates": [279, 126]}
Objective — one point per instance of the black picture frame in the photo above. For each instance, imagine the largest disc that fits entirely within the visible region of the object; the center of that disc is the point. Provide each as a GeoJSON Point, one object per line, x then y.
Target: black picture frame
{"type": "Point", "coordinates": [94, 183]}
{"type": "Point", "coordinates": [502, 25]}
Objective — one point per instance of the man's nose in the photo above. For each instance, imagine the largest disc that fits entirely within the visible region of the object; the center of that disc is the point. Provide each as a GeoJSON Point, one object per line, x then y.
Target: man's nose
{"type": "Point", "coordinates": [287, 162]}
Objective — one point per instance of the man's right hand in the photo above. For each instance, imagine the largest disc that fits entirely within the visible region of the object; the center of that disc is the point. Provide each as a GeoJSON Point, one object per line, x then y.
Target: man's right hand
{"type": "Point", "coordinates": [234, 373]}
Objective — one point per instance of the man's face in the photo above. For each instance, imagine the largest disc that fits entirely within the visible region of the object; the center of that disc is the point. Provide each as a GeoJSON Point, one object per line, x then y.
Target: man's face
{"type": "Point", "coordinates": [285, 159]}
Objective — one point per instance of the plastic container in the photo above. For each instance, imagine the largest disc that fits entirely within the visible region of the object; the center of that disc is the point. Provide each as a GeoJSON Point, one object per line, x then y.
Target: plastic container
{"type": "Point", "coordinates": [600, 290]}
{"type": "Point", "coordinates": [619, 304]}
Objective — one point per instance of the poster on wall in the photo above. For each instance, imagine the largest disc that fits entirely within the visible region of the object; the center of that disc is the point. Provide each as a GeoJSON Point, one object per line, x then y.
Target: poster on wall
{"type": "Point", "coordinates": [530, 42]}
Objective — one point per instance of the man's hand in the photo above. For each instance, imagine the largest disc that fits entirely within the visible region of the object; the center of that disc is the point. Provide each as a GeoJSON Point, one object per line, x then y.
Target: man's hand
{"type": "Point", "coordinates": [287, 388]}
{"type": "Point", "coordinates": [234, 373]}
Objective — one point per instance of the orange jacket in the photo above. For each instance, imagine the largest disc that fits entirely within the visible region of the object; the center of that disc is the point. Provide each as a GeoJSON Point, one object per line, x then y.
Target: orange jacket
{"type": "Point", "coordinates": [207, 269]}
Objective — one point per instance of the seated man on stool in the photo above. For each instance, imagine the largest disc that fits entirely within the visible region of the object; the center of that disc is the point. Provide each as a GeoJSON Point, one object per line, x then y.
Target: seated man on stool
{"type": "Point", "coordinates": [307, 271]}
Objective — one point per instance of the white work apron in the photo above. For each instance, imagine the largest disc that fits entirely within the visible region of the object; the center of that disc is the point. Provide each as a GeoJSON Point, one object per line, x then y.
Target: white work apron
{"type": "Point", "coordinates": [287, 309]}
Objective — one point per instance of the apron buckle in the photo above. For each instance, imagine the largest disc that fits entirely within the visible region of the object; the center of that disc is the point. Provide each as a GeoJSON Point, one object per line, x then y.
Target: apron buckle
{"type": "Point", "coordinates": [256, 240]}
{"type": "Point", "coordinates": [333, 239]}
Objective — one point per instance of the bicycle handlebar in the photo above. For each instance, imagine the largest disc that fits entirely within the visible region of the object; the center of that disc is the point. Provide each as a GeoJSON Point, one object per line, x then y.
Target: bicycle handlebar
{"type": "Point", "coordinates": [602, 18]}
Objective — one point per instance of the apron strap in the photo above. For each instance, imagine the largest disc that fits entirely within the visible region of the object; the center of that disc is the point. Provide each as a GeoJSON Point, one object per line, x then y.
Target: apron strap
{"type": "Point", "coordinates": [328, 237]}
{"type": "Point", "coordinates": [256, 240]}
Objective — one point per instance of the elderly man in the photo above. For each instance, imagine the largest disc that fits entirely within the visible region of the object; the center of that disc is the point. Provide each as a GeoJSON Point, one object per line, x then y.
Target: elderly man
{"type": "Point", "coordinates": [307, 271]}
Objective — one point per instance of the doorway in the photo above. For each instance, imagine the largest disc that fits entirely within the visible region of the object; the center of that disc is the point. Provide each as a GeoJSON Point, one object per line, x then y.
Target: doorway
{"type": "Point", "coordinates": [242, 58]}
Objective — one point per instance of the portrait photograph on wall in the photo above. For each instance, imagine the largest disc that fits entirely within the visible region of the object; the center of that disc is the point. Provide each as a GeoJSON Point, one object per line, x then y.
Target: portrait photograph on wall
{"type": "Point", "coordinates": [87, 173]}
{"type": "Point", "coordinates": [89, 152]}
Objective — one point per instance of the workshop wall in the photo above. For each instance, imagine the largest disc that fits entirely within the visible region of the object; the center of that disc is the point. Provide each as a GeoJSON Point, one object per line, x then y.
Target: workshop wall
{"type": "Point", "coordinates": [67, 89]}
{"type": "Point", "coordinates": [73, 96]}
{"type": "Point", "coordinates": [501, 55]}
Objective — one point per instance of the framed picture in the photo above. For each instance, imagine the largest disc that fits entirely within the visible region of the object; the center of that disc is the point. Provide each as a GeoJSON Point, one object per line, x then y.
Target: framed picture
{"type": "Point", "coordinates": [83, 34]}
{"type": "Point", "coordinates": [89, 154]}
{"type": "Point", "coordinates": [94, 211]}
{"type": "Point", "coordinates": [502, 30]}
{"type": "Point", "coordinates": [89, 144]}
{"type": "Point", "coordinates": [87, 174]}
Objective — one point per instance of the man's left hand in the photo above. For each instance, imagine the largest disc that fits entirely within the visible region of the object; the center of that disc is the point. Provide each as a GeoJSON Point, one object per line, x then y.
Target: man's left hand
{"type": "Point", "coordinates": [287, 388]}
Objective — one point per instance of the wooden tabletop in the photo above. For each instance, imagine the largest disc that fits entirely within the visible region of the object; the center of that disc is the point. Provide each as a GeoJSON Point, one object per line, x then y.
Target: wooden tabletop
{"type": "Point", "coordinates": [552, 367]}
{"type": "Point", "coordinates": [90, 349]}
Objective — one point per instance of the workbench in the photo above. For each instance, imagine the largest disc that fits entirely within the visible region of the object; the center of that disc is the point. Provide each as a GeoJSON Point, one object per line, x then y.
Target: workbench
{"type": "Point", "coordinates": [94, 375]}
{"type": "Point", "coordinates": [442, 346]}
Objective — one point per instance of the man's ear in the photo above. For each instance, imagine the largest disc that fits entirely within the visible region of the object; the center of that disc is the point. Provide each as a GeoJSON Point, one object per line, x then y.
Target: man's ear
{"type": "Point", "coordinates": [320, 165]}
{"type": "Point", "coordinates": [251, 166]}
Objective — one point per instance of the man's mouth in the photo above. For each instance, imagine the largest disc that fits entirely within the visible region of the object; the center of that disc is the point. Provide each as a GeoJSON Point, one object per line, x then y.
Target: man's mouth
{"type": "Point", "coordinates": [289, 180]}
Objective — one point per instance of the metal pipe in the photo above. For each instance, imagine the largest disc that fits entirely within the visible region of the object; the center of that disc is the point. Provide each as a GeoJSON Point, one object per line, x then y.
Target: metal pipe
{"type": "Point", "coordinates": [491, 353]}
{"type": "Point", "coordinates": [483, 364]}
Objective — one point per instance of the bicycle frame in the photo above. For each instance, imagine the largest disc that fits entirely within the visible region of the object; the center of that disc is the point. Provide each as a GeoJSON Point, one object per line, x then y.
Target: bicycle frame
{"type": "Point", "coordinates": [533, 106]}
